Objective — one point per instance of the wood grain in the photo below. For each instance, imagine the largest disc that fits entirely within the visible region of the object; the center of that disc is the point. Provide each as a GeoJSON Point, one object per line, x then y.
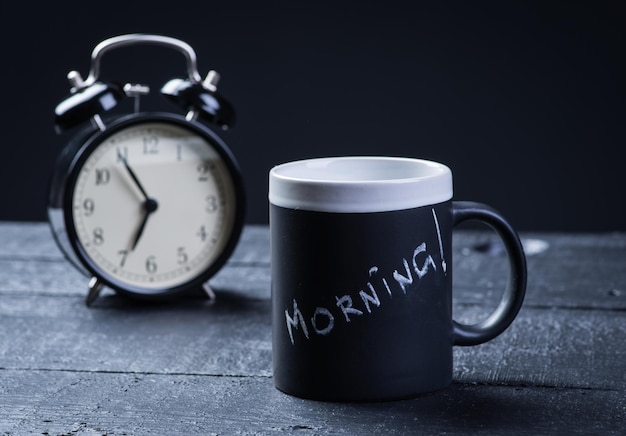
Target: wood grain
{"type": "Point", "coordinates": [196, 366]}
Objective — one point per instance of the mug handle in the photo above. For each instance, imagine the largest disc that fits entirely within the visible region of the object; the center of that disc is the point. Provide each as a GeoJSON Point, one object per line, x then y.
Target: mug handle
{"type": "Point", "coordinates": [515, 291]}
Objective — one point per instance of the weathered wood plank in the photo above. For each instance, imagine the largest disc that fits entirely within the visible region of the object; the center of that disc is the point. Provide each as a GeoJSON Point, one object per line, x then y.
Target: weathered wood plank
{"type": "Point", "coordinates": [558, 348]}
{"type": "Point", "coordinates": [42, 277]}
{"type": "Point", "coordinates": [195, 366]}
{"type": "Point", "coordinates": [61, 402]}
{"type": "Point", "coordinates": [31, 263]}
{"type": "Point", "coordinates": [576, 271]}
{"type": "Point", "coordinates": [589, 270]}
{"type": "Point", "coordinates": [232, 336]}
{"type": "Point", "coordinates": [27, 239]}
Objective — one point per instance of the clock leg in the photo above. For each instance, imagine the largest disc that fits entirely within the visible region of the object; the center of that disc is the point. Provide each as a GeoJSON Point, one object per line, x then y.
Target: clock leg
{"type": "Point", "coordinates": [95, 286]}
{"type": "Point", "coordinates": [208, 291]}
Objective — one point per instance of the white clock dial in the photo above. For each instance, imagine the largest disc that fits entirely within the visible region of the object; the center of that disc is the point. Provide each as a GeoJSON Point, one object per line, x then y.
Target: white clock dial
{"type": "Point", "coordinates": [153, 206]}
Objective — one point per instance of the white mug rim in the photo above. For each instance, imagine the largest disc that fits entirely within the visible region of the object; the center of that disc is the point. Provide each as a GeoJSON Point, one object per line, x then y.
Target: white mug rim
{"type": "Point", "coordinates": [323, 184]}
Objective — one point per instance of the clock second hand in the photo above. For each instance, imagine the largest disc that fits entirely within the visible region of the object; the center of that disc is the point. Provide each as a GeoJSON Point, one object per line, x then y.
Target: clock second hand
{"type": "Point", "coordinates": [150, 205]}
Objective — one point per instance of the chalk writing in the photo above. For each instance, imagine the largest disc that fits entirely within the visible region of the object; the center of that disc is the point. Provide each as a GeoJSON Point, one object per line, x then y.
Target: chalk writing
{"type": "Point", "coordinates": [330, 323]}
{"type": "Point", "coordinates": [413, 270]}
{"type": "Point", "coordinates": [403, 281]}
{"type": "Point", "coordinates": [443, 260]}
{"type": "Point", "coordinates": [421, 272]}
{"type": "Point", "coordinates": [374, 270]}
{"type": "Point", "coordinates": [297, 319]}
{"type": "Point", "coordinates": [369, 298]}
{"type": "Point", "coordinates": [345, 304]}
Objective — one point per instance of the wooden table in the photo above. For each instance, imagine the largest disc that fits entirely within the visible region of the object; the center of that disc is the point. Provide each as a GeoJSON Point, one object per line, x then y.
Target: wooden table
{"type": "Point", "coordinates": [204, 367]}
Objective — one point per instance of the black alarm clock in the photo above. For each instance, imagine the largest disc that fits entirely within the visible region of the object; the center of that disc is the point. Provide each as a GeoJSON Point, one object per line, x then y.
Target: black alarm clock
{"type": "Point", "coordinates": [148, 204]}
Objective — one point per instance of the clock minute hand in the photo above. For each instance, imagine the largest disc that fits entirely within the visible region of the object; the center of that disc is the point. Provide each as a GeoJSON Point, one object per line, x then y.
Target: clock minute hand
{"type": "Point", "coordinates": [133, 176]}
{"type": "Point", "coordinates": [150, 205]}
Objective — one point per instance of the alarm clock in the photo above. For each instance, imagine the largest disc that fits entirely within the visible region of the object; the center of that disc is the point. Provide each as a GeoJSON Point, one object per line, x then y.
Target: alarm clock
{"type": "Point", "coordinates": [148, 204]}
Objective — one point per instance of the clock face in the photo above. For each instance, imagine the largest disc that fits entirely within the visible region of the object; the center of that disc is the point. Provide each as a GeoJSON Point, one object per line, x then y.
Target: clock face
{"type": "Point", "coordinates": [153, 206]}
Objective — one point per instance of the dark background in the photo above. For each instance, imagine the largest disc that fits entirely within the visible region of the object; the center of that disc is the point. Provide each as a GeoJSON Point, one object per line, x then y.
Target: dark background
{"type": "Point", "coordinates": [523, 100]}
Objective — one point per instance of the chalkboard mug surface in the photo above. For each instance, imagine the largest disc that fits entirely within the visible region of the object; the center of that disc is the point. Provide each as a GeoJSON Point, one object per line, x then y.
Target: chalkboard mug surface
{"type": "Point", "coordinates": [361, 274]}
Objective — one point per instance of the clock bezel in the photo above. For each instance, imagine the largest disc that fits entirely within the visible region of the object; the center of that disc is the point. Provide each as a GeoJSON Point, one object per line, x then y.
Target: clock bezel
{"type": "Point", "coordinates": [91, 141]}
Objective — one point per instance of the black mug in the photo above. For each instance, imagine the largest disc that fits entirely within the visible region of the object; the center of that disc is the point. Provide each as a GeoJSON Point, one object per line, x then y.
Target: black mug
{"type": "Point", "coordinates": [361, 275]}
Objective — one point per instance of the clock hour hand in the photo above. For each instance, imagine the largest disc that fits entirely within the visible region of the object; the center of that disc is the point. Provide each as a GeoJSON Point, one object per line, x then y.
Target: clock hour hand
{"type": "Point", "coordinates": [150, 206]}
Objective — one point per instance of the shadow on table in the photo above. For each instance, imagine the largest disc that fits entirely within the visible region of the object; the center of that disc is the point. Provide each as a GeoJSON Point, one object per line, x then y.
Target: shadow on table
{"type": "Point", "coordinates": [469, 407]}
{"type": "Point", "coordinates": [223, 300]}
